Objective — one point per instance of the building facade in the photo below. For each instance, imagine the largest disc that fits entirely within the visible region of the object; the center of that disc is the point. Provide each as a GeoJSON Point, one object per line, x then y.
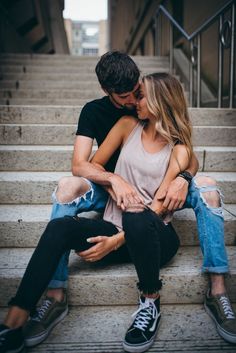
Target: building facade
{"type": "Point", "coordinates": [86, 38]}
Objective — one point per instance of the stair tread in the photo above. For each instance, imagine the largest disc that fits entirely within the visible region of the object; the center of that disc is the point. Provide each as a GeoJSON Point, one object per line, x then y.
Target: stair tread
{"type": "Point", "coordinates": [187, 261]}
{"type": "Point", "coordinates": [99, 329]}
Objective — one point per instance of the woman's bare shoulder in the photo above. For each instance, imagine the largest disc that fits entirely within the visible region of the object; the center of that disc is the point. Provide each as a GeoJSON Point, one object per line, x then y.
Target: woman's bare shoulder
{"type": "Point", "coordinates": [128, 122]}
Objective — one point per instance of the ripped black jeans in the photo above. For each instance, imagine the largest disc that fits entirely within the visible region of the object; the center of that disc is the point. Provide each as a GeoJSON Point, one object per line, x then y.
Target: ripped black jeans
{"type": "Point", "coordinates": [149, 245]}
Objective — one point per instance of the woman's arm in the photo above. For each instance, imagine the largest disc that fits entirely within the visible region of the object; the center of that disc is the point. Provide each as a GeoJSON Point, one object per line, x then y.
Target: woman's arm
{"type": "Point", "coordinates": [179, 161]}
{"type": "Point", "coordinates": [122, 191]}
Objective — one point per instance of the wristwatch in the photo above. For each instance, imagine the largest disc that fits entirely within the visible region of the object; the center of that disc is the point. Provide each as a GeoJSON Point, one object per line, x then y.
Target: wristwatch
{"type": "Point", "coordinates": [186, 175]}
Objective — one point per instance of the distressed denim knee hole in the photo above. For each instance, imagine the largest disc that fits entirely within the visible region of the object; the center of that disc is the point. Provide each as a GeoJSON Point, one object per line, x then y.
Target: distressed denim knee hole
{"type": "Point", "coordinates": [77, 199]}
{"type": "Point", "coordinates": [210, 194]}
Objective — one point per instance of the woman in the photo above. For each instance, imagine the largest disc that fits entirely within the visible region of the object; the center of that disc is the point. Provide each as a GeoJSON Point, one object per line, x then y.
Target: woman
{"type": "Point", "coordinates": [132, 226]}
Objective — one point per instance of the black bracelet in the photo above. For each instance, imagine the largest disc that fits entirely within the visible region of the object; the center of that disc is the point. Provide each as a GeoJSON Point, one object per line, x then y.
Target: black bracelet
{"type": "Point", "coordinates": [186, 175]}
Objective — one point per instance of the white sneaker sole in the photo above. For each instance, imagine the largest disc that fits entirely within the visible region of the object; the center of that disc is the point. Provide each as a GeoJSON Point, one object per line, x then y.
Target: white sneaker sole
{"type": "Point", "coordinates": [33, 341]}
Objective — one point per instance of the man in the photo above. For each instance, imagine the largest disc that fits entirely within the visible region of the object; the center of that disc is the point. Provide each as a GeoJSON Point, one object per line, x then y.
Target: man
{"type": "Point", "coordinates": [118, 76]}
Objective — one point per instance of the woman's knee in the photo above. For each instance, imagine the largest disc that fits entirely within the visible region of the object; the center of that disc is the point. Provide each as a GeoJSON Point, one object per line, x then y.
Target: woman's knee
{"type": "Point", "coordinates": [137, 225]}
{"type": "Point", "coordinates": [71, 187]}
{"type": "Point", "coordinates": [55, 229]}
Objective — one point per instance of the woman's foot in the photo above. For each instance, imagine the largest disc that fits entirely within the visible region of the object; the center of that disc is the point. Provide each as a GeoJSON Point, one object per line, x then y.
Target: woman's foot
{"type": "Point", "coordinates": [141, 334]}
{"type": "Point", "coordinates": [11, 340]}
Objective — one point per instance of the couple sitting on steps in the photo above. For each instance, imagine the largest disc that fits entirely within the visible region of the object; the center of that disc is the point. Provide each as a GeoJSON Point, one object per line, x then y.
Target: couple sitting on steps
{"type": "Point", "coordinates": [143, 170]}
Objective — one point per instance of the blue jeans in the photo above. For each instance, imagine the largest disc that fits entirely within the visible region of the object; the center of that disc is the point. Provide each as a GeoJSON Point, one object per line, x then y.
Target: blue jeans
{"type": "Point", "coordinates": [210, 223]}
{"type": "Point", "coordinates": [94, 199]}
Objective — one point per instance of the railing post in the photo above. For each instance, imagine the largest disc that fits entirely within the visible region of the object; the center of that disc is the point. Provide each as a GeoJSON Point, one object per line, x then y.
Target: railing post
{"type": "Point", "coordinates": [191, 77]}
{"type": "Point", "coordinates": [231, 89]}
{"type": "Point", "coordinates": [199, 70]}
{"type": "Point", "coordinates": [156, 34]}
{"type": "Point", "coordinates": [171, 48]}
{"type": "Point", "coordinates": [220, 65]}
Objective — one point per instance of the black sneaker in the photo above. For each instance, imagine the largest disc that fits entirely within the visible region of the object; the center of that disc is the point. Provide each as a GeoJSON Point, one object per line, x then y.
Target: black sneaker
{"type": "Point", "coordinates": [48, 315]}
{"type": "Point", "coordinates": [11, 340]}
{"type": "Point", "coordinates": [141, 334]}
{"type": "Point", "coordinates": [220, 310]}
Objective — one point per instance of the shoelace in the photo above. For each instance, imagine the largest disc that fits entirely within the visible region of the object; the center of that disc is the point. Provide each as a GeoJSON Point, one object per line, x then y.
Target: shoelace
{"type": "Point", "coordinates": [42, 310]}
{"type": "Point", "coordinates": [145, 313]}
{"type": "Point", "coordinates": [228, 311]}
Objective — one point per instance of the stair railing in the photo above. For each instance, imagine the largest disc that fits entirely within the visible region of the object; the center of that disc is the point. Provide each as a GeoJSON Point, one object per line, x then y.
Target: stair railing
{"type": "Point", "coordinates": [226, 33]}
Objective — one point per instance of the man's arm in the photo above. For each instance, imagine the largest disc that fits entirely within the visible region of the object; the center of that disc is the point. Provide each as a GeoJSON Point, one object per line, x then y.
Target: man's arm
{"type": "Point", "coordinates": [175, 194]}
{"type": "Point", "coordinates": [122, 191]}
{"type": "Point", "coordinates": [82, 150]}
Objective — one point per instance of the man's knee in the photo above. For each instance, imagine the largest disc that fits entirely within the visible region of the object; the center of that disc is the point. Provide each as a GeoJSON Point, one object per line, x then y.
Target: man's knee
{"type": "Point", "coordinates": [209, 191]}
{"type": "Point", "coordinates": [71, 187]}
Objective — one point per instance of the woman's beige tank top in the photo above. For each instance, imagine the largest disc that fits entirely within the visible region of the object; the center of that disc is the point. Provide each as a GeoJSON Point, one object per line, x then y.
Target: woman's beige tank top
{"type": "Point", "coordinates": [142, 169]}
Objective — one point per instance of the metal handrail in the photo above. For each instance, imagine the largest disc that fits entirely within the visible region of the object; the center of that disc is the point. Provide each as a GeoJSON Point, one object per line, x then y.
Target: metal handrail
{"type": "Point", "coordinates": [196, 37]}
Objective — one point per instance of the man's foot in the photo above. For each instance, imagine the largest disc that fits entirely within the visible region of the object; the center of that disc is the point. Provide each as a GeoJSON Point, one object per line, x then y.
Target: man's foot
{"type": "Point", "coordinates": [220, 310]}
{"type": "Point", "coordinates": [48, 315]}
{"type": "Point", "coordinates": [11, 340]}
{"type": "Point", "coordinates": [141, 334]}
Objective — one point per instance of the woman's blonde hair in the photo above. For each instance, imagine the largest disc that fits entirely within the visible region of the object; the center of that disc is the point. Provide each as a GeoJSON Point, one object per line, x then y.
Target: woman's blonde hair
{"type": "Point", "coordinates": [166, 101]}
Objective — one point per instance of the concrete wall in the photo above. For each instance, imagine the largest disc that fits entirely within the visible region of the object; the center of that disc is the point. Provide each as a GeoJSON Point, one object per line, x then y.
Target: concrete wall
{"type": "Point", "coordinates": [32, 26]}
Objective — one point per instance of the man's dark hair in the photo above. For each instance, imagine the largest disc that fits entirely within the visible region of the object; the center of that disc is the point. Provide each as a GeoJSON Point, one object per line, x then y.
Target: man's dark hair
{"type": "Point", "coordinates": [117, 72]}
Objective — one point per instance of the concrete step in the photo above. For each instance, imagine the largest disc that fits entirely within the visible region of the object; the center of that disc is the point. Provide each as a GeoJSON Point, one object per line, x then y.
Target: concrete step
{"type": "Point", "coordinates": [58, 158]}
{"type": "Point", "coordinates": [115, 284]}
{"type": "Point", "coordinates": [44, 102]}
{"type": "Point", "coordinates": [43, 134]}
{"type": "Point", "coordinates": [76, 60]}
{"type": "Point", "coordinates": [22, 225]}
{"type": "Point", "coordinates": [78, 84]}
{"type": "Point", "coordinates": [66, 57]}
{"type": "Point", "coordinates": [36, 187]}
{"type": "Point", "coordinates": [96, 329]}
{"type": "Point", "coordinates": [88, 94]}
{"type": "Point", "coordinates": [69, 115]}
{"type": "Point", "coordinates": [50, 76]}
{"type": "Point", "coordinates": [29, 68]}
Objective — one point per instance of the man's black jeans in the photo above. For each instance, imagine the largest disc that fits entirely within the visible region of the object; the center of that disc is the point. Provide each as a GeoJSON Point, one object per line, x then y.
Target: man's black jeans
{"type": "Point", "coordinates": [149, 244]}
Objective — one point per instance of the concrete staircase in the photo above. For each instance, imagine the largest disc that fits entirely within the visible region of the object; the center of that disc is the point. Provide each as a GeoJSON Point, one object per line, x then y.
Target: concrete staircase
{"type": "Point", "coordinates": [41, 98]}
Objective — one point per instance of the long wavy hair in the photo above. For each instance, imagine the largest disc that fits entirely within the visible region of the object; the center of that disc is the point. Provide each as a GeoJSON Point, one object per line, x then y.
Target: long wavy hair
{"type": "Point", "coordinates": [166, 101]}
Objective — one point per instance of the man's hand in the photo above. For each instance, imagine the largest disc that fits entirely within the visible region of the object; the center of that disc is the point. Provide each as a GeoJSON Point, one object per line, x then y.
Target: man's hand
{"type": "Point", "coordinates": [104, 245]}
{"type": "Point", "coordinates": [174, 197]}
{"type": "Point", "coordinates": [125, 193]}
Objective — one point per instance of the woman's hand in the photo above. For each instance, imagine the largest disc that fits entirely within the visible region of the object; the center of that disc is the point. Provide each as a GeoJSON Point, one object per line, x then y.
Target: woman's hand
{"type": "Point", "coordinates": [125, 193]}
{"type": "Point", "coordinates": [103, 246]}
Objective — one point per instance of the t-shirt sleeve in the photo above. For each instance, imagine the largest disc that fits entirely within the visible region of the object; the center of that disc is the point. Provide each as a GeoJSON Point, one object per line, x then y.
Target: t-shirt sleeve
{"type": "Point", "coordinates": [86, 122]}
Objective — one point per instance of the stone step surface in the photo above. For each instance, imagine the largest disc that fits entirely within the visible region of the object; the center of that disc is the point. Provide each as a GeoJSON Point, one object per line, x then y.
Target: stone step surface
{"type": "Point", "coordinates": [28, 68]}
{"type": "Point", "coordinates": [115, 284]}
{"type": "Point", "coordinates": [22, 225]}
{"type": "Point", "coordinates": [36, 187]}
{"type": "Point", "coordinates": [50, 84]}
{"type": "Point", "coordinates": [96, 329]}
{"type": "Point", "coordinates": [64, 134]}
{"type": "Point", "coordinates": [58, 158]}
{"type": "Point", "coordinates": [88, 94]}
{"type": "Point", "coordinates": [69, 115]}
{"type": "Point", "coordinates": [70, 60]}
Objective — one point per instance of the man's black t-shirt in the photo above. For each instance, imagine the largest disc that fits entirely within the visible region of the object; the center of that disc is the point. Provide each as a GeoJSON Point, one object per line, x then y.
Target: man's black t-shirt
{"type": "Point", "coordinates": [96, 120]}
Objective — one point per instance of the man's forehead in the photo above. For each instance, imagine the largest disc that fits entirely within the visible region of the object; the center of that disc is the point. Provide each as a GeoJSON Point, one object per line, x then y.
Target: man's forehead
{"type": "Point", "coordinates": [136, 88]}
